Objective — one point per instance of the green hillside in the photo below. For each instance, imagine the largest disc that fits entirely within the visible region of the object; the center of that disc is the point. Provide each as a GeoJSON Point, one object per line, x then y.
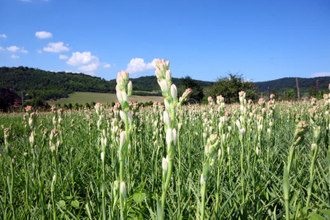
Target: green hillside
{"type": "Point", "coordinates": [51, 85]}
{"type": "Point", "coordinates": [289, 83]}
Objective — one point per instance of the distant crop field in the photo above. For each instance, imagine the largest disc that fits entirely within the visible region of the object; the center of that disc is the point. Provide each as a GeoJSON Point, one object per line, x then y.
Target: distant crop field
{"type": "Point", "coordinates": [83, 97]}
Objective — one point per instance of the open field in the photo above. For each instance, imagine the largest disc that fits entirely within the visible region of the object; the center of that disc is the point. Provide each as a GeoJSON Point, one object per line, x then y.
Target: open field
{"type": "Point", "coordinates": [83, 97]}
{"type": "Point", "coordinates": [247, 162]}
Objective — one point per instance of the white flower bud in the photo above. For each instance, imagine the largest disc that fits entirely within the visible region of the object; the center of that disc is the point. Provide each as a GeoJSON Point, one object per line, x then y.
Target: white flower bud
{"type": "Point", "coordinates": [122, 138]}
{"type": "Point", "coordinates": [129, 88]}
{"type": "Point", "coordinates": [175, 137]}
{"type": "Point", "coordinates": [174, 92]}
{"type": "Point", "coordinates": [165, 164]}
{"type": "Point", "coordinates": [168, 75]}
{"type": "Point", "coordinates": [123, 189]}
{"type": "Point", "coordinates": [242, 132]}
{"type": "Point", "coordinates": [169, 136]}
{"type": "Point", "coordinates": [167, 119]}
{"type": "Point", "coordinates": [102, 156]}
{"type": "Point", "coordinates": [238, 124]}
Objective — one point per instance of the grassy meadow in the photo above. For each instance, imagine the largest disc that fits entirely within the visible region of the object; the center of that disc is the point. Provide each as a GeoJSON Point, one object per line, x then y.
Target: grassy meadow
{"type": "Point", "coordinates": [66, 165]}
{"type": "Point", "coordinates": [265, 160]}
{"type": "Point", "coordinates": [83, 97]}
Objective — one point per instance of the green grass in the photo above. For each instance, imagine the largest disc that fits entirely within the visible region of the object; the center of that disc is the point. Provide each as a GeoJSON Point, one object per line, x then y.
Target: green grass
{"type": "Point", "coordinates": [83, 97]}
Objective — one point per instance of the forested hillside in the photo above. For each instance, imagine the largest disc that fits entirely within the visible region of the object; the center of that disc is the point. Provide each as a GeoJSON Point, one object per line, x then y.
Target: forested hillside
{"type": "Point", "coordinates": [290, 82]}
{"type": "Point", "coordinates": [51, 85]}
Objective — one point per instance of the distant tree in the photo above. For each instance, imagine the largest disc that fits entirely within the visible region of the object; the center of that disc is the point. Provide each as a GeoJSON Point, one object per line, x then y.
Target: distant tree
{"type": "Point", "coordinates": [230, 86]}
{"type": "Point", "coordinates": [87, 105]}
{"type": "Point", "coordinates": [197, 90]}
{"type": "Point", "coordinates": [76, 106]}
{"type": "Point", "coordinates": [291, 94]}
{"type": "Point", "coordinates": [70, 105]}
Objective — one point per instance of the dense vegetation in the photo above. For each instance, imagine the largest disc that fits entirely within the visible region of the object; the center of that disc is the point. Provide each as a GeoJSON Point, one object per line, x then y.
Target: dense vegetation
{"type": "Point", "coordinates": [253, 190]}
{"type": "Point", "coordinates": [287, 83]}
{"type": "Point", "coordinates": [51, 85]}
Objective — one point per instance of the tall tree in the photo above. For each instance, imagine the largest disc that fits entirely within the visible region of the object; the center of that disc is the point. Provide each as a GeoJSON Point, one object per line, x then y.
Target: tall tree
{"type": "Point", "coordinates": [230, 86]}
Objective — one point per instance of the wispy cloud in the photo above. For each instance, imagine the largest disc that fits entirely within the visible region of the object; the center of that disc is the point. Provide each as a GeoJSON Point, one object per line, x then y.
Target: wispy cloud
{"type": "Point", "coordinates": [25, 0]}
{"type": "Point", "coordinates": [24, 51]}
{"type": "Point", "coordinates": [3, 35]}
{"type": "Point", "coordinates": [13, 48]}
{"type": "Point", "coordinates": [43, 34]}
{"type": "Point", "coordinates": [63, 57]}
{"type": "Point", "coordinates": [14, 56]}
{"type": "Point", "coordinates": [1, 48]}
{"type": "Point", "coordinates": [320, 74]}
{"type": "Point", "coordinates": [107, 65]}
{"type": "Point", "coordinates": [56, 47]}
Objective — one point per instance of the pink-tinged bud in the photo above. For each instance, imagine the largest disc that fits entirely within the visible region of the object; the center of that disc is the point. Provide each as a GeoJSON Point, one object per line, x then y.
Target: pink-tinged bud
{"type": "Point", "coordinates": [169, 136]}
{"type": "Point", "coordinates": [122, 138]}
{"type": "Point", "coordinates": [207, 149]}
{"type": "Point", "coordinates": [167, 104]}
{"type": "Point", "coordinates": [124, 96]}
{"type": "Point", "coordinates": [119, 96]}
{"type": "Point", "coordinates": [168, 76]}
{"type": "Point", "coordinates": [175, 137]}
{"type": "Point", "coordinates": [165, 164]}
{"type": "Point", "coordinates": [123, 189]}
{"type": "Point", "coordinates": [167, 63]}
{"type": "Point", "coordinates": [167, 119]}
{"type": "Point", "coordinates": [120, 81]}
{"type": "Point", "coordinates": [313, 146]}
{"type": "Point", "coordinates": [158, 73]}
{"type": "Point", "coordinates": [174, 92]}
{"type": "Point", "coordinates": [125, 76]}
{"type": "Point", "coordinates": [272, 96]}
{"type": "Point", "coordinates": [129, 88]}
{"type": "Point", "coordinates": [163, 85]}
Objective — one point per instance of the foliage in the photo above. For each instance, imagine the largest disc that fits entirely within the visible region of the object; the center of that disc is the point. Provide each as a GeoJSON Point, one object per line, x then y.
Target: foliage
{"type": "Point", "coordinates": [197, 90]}
{"type": "Point", "coordinates": [229, 87]}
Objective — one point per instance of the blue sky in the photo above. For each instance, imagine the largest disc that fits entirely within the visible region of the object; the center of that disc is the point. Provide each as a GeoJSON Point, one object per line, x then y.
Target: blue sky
{"type": "Point", "coordinates": [263, 40]}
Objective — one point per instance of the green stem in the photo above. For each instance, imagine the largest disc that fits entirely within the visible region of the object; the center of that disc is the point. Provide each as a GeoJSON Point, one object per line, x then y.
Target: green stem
{"type": "Point", "coordinates": [168, 178]}
{"type": "Point", "coordinates": [203, 200]}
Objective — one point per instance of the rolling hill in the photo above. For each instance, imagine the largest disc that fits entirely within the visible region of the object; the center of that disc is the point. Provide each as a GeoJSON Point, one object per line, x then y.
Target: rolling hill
{"type": "Point", "coordinates": [51, 85]}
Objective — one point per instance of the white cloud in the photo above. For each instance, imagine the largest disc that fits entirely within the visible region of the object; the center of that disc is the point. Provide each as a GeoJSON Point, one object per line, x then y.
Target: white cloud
{"type": "Point", "coordinates": [107, 65]}
{"type": "Point", "coordinates": [13, 48]}
{"type": "Point", "coordinates": [63, 57]}
{"type": "Point", "coordinates": [14, 56]}
{"type": "Point", "coordinates": [320, 74]}
{"type": "Point", "coordinates": [86, 62]}
{"type": "Point", "coordinates": [248, 80]}
{"type": "Point", "coordinates": [89, 68]}
{"type": "Point", "coordinates": [1, 48]}
{"type": "Point", "coordinates": [24, 51]}
{"type": "Point", "coordinates": [56, 47]}
{"type": "Point", "coordinates": [3, 35]}
{"type": "Point", "coordinates": [43, 34]}
{"type": "Point", "coordinates": [79, 59]}
{"type": "Point", "coordinates": [137, 65]}
{"type": "Point", "coordinates": [39, 51]}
